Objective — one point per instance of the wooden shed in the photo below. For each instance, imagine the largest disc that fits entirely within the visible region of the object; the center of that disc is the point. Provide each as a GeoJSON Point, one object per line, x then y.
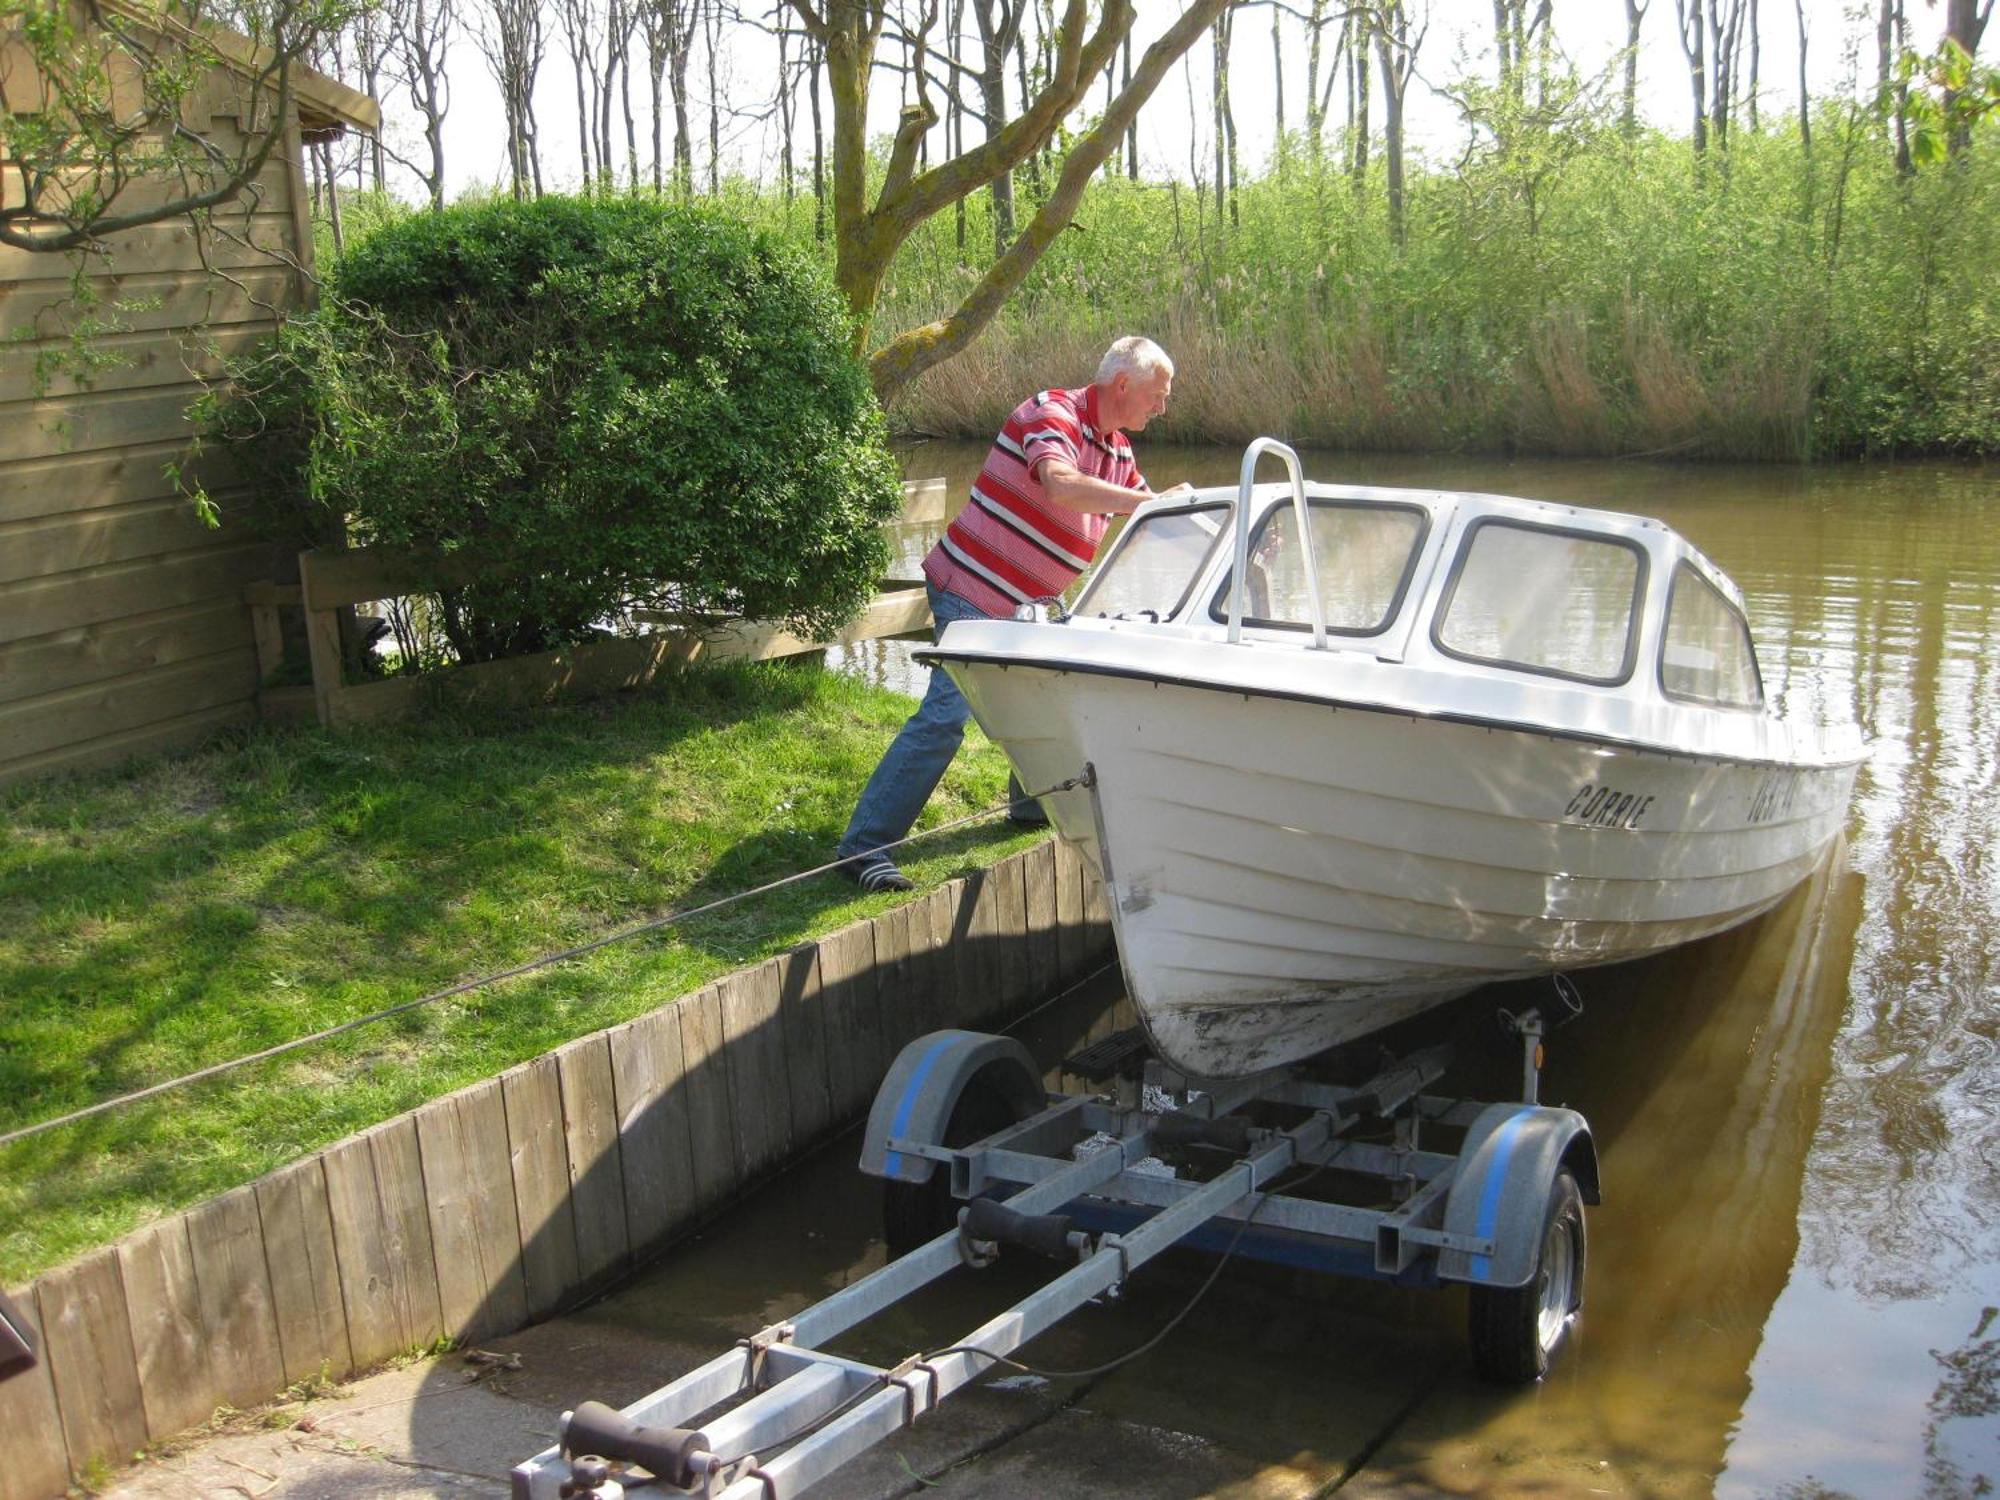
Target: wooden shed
{"type": "Point", "coordinates": [122, 623]}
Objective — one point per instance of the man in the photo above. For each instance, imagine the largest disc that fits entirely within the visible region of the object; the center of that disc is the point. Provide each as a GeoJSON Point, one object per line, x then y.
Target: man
{"type": "Point", "coordinates": [1059, 469]}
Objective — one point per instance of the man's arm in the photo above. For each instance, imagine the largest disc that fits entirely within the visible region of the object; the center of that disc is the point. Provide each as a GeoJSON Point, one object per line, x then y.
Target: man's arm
{"type": "Point", "coordinates": [1063, 485]}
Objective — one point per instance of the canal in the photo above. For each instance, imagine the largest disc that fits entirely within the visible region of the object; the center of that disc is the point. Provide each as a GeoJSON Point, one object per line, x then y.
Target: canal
{"type": "Point", "coordinates": [1795, 1272]}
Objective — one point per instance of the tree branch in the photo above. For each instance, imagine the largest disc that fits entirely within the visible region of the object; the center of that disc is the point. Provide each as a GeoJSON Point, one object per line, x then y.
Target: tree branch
{"type": "Point", "coordinates": [911, 353]}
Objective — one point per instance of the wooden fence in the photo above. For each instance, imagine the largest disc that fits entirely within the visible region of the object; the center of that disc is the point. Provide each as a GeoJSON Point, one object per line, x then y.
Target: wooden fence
{"type": "Point", "coordinates": [498, 1205]}
{"type": "Point", "coordinates": [332, 581]}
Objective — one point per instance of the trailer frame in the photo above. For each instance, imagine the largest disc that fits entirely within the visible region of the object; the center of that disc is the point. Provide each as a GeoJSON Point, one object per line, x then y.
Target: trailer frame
{"type": "Point", "coordinates": [781, 1412]}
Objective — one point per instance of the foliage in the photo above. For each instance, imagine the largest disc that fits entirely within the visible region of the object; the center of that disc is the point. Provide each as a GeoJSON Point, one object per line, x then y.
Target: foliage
{"type": "Point", "coordinates": [1942, 95]}
{"type": "Point", "coordinates": [187, 910]}
{"type": "Point", "coordinates": [611, 402]}
{"type": "Point", "coordinates": [1563, 289]}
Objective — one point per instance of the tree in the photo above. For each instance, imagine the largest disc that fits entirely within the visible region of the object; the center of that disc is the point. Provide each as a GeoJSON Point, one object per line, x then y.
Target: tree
{"type": "Point", "coordinates": [107, 126]}
{"type": "Point", "coordinates": [1964, 25]}
{"type": "Point", "coordinates": [1805, 100]}
{"type": "Point", "coordinates": [670, 27]}
{"type": "Point", "coordinates": [423, 30]}
{"type": "Point", "coordinates": [1693, 30]}
{"type": "Point", "coordinates": [867, 235]}
{"type": "Point", "coordinates": [1225, 123]}
{"type": "Point", "coordinates": [509, 35]}
{"type": "Point", "coordinates": [999, 23]}
{"type": "Point", "coordinates": [1397, 40]}
{"type": "Point", "coordinates": [1635, 15]}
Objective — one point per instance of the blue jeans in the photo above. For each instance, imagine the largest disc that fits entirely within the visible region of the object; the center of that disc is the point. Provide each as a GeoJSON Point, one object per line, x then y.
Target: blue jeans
{"type": "Point", "coordinates": [915, 762]}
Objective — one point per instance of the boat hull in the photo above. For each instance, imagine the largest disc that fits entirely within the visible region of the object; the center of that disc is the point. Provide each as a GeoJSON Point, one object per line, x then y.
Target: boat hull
{"type": "Point", "coordinates": [1285, 875]}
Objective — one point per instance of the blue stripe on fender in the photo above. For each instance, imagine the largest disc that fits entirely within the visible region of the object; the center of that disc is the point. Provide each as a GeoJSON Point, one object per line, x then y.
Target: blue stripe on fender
{"type": "Point", "coordinates": [1504, 1141]}
{"type": "Point", "coordinates": [892, 1163]}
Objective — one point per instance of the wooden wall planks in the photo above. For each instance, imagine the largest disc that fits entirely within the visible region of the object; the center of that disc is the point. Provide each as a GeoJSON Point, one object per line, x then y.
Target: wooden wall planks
{"type": "Point", "coordinates": [475, 1224]}
{"type": "Point", "coordinates": [37, 1463]}
{"type": "Point", "coordinates": [596, 1175]}
{"type": "Point", "coordinates": [87, 1340]}
{"type": "Point", "coordinates": [233, 1282]}
{"type": "Point", "coordinates": [169, 1337]}
{"type": "Point", "coordinates": [299, 1251]}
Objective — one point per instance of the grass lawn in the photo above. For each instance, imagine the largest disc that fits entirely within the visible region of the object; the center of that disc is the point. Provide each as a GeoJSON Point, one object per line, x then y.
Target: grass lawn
{"type": "Point", "coordinates": [183, 911]}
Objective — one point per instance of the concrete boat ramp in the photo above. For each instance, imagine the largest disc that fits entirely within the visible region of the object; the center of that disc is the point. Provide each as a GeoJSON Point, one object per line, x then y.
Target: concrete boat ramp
{"type": "Point", "coordinates": [1277, 1385]}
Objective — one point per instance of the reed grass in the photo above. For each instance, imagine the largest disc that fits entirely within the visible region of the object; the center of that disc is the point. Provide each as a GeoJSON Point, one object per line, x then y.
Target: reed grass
{"type": "Point", "coordinates": [1783, 305]}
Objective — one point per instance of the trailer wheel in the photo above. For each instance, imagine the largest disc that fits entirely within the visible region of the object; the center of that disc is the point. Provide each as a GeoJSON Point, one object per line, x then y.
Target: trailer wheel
{"type": "Point", "coordinates": [1516, 1331]}
{"type": "Point", "coordinates": [914, 1213]}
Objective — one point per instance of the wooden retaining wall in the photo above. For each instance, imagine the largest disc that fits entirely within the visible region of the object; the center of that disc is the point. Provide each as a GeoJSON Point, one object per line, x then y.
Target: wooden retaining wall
{"type": "Point", "coordinates": [495, 1206]}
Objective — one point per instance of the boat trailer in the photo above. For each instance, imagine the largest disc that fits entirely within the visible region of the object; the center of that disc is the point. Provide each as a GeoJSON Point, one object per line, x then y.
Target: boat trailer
{"type": "Point", "coordinates": [976, 1156]}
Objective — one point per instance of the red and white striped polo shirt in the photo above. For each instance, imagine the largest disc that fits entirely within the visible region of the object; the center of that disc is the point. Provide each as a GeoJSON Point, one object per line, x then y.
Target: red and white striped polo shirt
{"type": "Point", "coordinates": [1011, 545]}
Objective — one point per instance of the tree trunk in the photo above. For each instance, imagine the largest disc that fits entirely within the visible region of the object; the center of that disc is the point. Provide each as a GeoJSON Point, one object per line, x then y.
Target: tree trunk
{"type": "Point", "coordinates": [333, 202]}
{"type": "Point", "coordinates": [1395, 51]}
{"type": "Point", "coordinates": [1891, 37]}
{"type": "Point", "coordinates": [1358, 75]}
{"type": "Point", "coordinates": [1225, 124]}
{"type": "Point", "coordinates": [1315, 125]}
{"type": "Point", "coordinates": [656, 62]}
{"type": "Point", "coordinates": [1805, 99]}
{"type": "Point", "coordinates": [1694, 47]}
{"type": "Point", "coordinates": [1278, 82]}
{"type": "Point", "coordinates": [1964, 23]}
{"type": "Point", "coordinates": [816, 56]}
{"type": "Point", "coordinates": [999, 23]}
{"type": "Point", "coordinates": [1756, 58]}
{"type": "Point", "coordinates": [1132, 130]}
{"type": "Point", "coordinates": [1635, 13]}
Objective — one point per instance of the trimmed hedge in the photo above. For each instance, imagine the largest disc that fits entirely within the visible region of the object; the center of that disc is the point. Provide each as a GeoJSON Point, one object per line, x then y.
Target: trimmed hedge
{"type": "Point", "coordinates": [616, 401]}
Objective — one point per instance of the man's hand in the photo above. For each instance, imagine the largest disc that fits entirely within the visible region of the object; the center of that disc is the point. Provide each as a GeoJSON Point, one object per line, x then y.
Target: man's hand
{"type": "Point", "coordinates": [1183, 488]}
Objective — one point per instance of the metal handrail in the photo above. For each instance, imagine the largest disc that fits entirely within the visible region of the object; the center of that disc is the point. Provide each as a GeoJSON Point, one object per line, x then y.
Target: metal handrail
{"type": "Point", "coordinates": [1241, 572]}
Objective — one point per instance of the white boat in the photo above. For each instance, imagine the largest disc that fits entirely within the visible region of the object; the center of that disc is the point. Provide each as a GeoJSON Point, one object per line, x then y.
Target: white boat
{"type": "Point", "coordinates": [1461, 738]}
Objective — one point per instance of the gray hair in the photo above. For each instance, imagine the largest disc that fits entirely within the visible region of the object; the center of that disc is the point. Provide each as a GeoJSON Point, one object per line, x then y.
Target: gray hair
{"type": "Point", "coordinates": [1132, 355]}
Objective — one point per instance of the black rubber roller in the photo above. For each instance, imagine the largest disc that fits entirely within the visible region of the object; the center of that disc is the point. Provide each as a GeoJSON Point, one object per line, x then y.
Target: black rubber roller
{"type": "Point", "coordinates": [594, 1429]}
{"type": "Point", "coordinates": [990, 1219]}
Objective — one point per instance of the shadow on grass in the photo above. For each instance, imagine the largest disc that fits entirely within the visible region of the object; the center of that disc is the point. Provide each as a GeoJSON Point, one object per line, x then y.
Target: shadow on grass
{"type": "Point", "coordinates": [184, 911]}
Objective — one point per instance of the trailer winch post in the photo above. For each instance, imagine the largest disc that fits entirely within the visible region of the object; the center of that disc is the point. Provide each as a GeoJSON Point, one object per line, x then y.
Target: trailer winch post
{"type": "Point", "coordinates": [1528, 1026]}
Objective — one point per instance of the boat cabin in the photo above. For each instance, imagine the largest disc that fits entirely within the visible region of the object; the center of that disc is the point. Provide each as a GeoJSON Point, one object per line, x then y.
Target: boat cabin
{"type": "Point", "coordinates": [1523, 588]}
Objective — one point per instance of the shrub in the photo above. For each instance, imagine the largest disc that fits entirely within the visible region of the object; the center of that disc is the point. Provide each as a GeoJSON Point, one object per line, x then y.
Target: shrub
{"type": "Point", "coordinates": [611, 402]}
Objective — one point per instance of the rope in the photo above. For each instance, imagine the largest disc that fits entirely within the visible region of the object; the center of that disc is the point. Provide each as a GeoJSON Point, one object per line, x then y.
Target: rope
{"type": "Point", "coordinates": [545, 961]}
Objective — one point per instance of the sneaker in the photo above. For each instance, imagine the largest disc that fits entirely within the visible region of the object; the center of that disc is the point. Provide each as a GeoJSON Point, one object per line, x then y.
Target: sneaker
{"type": "Point", "coordinates": [878, 873]}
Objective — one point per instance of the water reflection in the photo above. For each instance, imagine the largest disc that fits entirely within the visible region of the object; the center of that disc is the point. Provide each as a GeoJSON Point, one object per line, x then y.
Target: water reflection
{"type": "Point", "coordinates": [1825, 1328]}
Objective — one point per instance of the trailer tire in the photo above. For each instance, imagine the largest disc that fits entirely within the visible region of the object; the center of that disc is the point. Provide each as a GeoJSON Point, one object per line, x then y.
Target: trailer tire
{"type": "Point", "coordinates": [1516, 1331]}
{"type": "Point", "coordinates": [915, 1213]}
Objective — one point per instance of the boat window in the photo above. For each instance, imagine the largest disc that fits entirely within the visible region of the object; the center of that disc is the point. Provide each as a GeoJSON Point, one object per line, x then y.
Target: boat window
{"type": "Point", "coordinates": [1543, 599]}
{"type": "Point", "coordinates": [1706, 656]}
{"type": "Point", "coordinates": [1156, 564]}
{"type": "Point", "coordinates": [1364, 551]}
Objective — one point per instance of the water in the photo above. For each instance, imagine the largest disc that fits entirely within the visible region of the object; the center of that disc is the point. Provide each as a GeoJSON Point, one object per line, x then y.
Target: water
{"type": "Point", "coordinates": [1795, 1271]}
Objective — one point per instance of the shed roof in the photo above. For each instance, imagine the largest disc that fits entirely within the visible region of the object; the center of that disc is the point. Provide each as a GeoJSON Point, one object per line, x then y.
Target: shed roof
{"type": "Point", "coordinates": [324, 103]}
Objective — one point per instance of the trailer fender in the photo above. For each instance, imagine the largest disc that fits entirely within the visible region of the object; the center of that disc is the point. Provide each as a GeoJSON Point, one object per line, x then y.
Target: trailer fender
{"type": "Point", "coordinates": [1506, 1171]}
{"type": "Point", "coordinates": [923, 1086]}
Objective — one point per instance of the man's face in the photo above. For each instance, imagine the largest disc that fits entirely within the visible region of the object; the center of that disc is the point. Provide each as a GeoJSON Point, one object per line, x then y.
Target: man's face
{"type": "Point", "coordinates": [1142, 398]}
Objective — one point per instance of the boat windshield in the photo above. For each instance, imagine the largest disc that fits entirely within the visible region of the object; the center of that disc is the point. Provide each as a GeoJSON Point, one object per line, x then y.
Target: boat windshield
{"type": "Point", "coordinates": [1543, 599]}
{"type": "Point", "coordinates": [1156, 563]}
{"type": "Point", "coordinates": [1706, 656]}
{"type": "Point", "coordinates": [1364, 552]}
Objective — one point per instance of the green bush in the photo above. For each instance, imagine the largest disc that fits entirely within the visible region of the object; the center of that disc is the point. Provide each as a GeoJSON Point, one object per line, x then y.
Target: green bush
{"type": "Point", "coordinates": [606, 402]}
